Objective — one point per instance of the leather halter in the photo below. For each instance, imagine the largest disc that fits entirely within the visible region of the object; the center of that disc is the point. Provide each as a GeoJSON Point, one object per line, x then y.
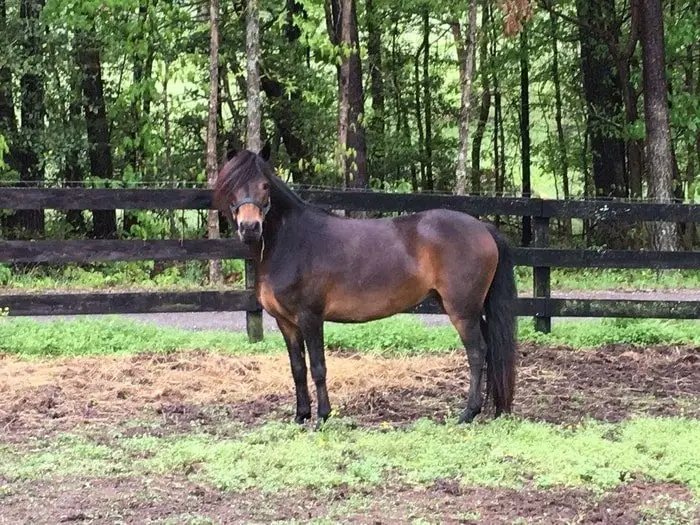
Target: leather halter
{"type": "Point", "coordinates": [249, 200]}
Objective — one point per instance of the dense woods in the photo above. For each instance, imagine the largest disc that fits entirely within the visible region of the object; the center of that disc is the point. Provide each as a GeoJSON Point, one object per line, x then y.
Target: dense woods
{"type": "Point", "coordinates": [558, 99]}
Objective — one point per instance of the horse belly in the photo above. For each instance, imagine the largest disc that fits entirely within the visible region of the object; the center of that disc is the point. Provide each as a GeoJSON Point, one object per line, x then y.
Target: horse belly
{"type": "Point", "coordinates": [370, 303]}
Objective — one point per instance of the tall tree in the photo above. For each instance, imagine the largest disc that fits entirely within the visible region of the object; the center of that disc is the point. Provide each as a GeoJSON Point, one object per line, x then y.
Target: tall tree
{"type": "Point", "coordinates": [601, 87]}
{"type": "Point", "coordinates": [252, 53]}
{"type": "Point", "coordinates": [351, 132]}
{"type": "Point", "coordinates": [72, 166]}
{"type": "Point", "coordinates": [419, 112]}
{"type": "Point", "coordinates": [98, 134]}
{"type": "Point", "coordinates": [485, 104]}
{"type": "Point", "coordinates": [465, 55]}
{"type": "Point", "coordinates": [602, 25]}
{"type": "Point", "coordinates": [32, 111]}
{"type": "Point", "coordinates": [374, 58]}
{"type": "Point", "coordinates": [659, 159]}
{"type": "Point", "coordinates": [525, 128]}
{"type": "Point", "coordinates": [8, 122]}
{"type": "Point", "coordinates": [286, 107]}
{"type": "Point", "coordinates": [428, 184]}
{"type": "Point", "coordinates": [561, 166]}
{"type": "Point", "coordinates": [212, 135]}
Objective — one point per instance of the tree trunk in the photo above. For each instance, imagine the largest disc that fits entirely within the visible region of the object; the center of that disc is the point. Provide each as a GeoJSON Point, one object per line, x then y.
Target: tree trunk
{"type": "Point", "coordinates": [525, 130]}
{"type": "Point", "coordinates": [8, 122]}
{"type": "Point", "coordinates": [100, 152]}
{"type": "Point", "coordinates": [693, 147]}
{"type": "Point", "coordinates": [419, 114]}
{"type": "Point", "coordinates": [659, 159]}
{"type": "Point", "coordinates": [285, 110]}
{"type": "Point", "coordinates": [499, 142]}
{"type": "Point", "coordinates": [465, 55]}
{"type": "Point", "coordinates": [140, 108]}
{"type": "Point", "coordinates": [352, 100]}
{"type": "Point", "coordinates": [30, 167]}
{"type": "Point", "coordinates": [562, 157]}
{"type": "Point", "coordinates": [635, 147]}
{"type": "Point", "coordinates": [374, 56]}
{"type": "Point", "coordinates": [428, 184]}
{"type": "Point", "coordinates": [72, 170]}
{"type": "Point", "coordinates": [498, 163]}
{"type": "Point", "coordinates": [562, 160]}
{"type": "Point", "coordinates": [484, 107]}
{"type": "Point", "coordinates": [212, 135]}
{"type": "Point", "coordinates": [252, 51]}
{"type": "Point", "coordinates": [601, 86]}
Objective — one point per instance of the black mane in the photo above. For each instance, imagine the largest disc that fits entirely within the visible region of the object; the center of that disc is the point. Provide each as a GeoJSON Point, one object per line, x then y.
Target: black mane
{"type": "Point", "coordinates": [246, 166]}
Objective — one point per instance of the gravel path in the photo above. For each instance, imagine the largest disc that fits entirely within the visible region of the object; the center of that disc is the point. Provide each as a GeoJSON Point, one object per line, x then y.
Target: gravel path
{"type": "Point", "coordinates": [235, 321]}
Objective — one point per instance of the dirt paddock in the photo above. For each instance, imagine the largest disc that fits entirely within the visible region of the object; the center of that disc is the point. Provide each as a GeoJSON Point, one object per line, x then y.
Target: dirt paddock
{"type": "Point", "coordinates": [211, 390]}
{"type": "Point", "coordinates": [554, 384]}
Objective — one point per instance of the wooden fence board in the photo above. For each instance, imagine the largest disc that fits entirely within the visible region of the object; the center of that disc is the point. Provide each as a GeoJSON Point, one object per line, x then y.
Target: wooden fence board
{"type": "Point", "coordinates": [553, 307]}
{"type": "Point", "coordinates": [240, 300]}
{"type": "Point", "coordinates": [562, 258]}
{"type": "Point", "coordinates": [87, 251]}
{"type": "Point", "coordinates": [127, 302]}
{"type": "Point", "coordinates": [354, 200]}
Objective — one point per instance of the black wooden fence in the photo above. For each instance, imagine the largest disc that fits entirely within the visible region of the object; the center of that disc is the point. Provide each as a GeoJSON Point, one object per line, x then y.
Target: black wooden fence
{"type": "Point", "coordinates": [541, 258]}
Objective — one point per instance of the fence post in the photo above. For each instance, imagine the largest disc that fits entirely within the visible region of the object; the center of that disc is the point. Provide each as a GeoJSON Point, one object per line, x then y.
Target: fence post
{"type": "Point", "coordinates": [541, 274]}
{"type": "Point", "coordinates": [253, 319]}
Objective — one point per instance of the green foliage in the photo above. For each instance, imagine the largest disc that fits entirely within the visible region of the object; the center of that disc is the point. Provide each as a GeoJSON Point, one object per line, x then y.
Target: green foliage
{"type": "Point", "coordinates": [123, 275]}
{"type": "Point", "coordinates": [3, 151]}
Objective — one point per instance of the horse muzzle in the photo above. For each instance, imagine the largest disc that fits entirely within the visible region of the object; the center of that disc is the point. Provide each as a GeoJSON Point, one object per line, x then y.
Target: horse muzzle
{"type": "Point", "coordinates": [250, 232]}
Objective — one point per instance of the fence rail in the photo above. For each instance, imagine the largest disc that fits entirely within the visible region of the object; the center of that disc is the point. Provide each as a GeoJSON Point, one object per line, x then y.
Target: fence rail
{"type": "Point", "coordinates": [540, 257]}
{"type": "Point", "coordinates": [352, 200]}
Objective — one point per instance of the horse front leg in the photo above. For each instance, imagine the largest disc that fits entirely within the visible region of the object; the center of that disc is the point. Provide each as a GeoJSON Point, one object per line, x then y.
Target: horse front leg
{"type": "Point", "coordinates": [312, 330]}
{"type": "Point", "coordinates": [295, 347]}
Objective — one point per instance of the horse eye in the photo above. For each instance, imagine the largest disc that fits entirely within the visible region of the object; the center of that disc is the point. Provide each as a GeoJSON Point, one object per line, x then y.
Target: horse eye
{"type": "Point", "coordinates": [265, 186]}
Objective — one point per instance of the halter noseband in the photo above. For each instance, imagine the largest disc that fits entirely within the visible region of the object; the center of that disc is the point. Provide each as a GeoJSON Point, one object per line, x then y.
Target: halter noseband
{"type": "Point", "coordinates": [250, 200]}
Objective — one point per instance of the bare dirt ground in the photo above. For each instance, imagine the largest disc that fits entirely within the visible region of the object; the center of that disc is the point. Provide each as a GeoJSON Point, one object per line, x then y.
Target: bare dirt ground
{"type": "Point", "coordinates": [170, 393]}
{"type": "Point", "coordinates": [174, 500]}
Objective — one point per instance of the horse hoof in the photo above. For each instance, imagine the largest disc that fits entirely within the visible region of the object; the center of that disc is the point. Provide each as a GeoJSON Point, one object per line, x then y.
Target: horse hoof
{"type": "Point", "coordinates": [320, 422]}
{"type": "Point", "coordinates": [468, 415]}
{"type": "Point", "coordinates": [302, 419]}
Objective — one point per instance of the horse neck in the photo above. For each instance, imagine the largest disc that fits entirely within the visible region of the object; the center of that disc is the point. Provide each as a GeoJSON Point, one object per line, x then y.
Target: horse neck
{"type": "Point", "coordinates": [285, 210]}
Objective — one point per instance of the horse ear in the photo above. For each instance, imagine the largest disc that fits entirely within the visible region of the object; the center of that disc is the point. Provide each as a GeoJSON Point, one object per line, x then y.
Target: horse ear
{"type": "Point", "coordinates": [265, 151]}
{"type": "Point", "coordinates": [231, 152]}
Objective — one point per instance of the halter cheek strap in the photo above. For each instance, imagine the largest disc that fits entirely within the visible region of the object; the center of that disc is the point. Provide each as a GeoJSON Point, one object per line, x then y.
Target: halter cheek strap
{"type": "Point", "coordinates": [249, 200]}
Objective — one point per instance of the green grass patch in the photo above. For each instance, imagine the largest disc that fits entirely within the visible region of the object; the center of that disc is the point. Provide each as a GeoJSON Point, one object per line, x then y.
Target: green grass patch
{"type": "Point", "coordinates": [123, 275]}
{"type": "Point", "coordinates": [586, 279]}
{"type": "Point", "coordinates": [68, 455]}
{"type": "Point", "coordinates": [500, 453]}
{"type": "Point", "coordinates": [400, 335]}
{"type": "Point", "coordinates": [194, 274]}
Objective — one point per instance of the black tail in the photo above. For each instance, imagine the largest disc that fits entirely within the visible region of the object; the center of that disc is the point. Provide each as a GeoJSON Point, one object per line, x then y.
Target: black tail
{"type": "Point", "coordinates": [499, 329]}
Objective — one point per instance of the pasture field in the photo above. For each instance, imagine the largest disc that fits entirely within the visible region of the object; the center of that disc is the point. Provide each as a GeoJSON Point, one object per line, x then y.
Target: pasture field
{"type": "Point", "coordinates": [114, 422]}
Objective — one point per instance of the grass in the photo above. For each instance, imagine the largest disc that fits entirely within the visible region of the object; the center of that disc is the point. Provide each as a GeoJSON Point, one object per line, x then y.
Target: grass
{"type": "Point", "coordinates": [498, 453]}
{"type": "Point", "coordinates": [190, 274]}
{"type": "Point", "coordinates": [586, 279]}
{"type": "Point", "coordinates": [400, 335]}
{"type": "Point", "coordinates": [194, 274]}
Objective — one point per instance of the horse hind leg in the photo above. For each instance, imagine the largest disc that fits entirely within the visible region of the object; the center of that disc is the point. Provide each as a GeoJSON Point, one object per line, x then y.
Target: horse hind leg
{"type": "Point", "coordinates": [467, 322]}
